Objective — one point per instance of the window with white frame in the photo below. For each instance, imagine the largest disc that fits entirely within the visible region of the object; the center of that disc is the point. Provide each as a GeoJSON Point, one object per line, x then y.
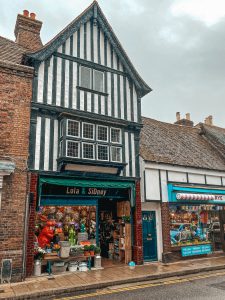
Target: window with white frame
{"type": "Point", "coordinates": [116, 135]}
{"type": "Point", "coordinates": [88, 151]}
{"type": "Point", "coordinates": [88, 131]}
{"type": "Point", "coordinates": [116, 154]}
{"type": "Point", "coordinates": [85, 77]}
{"type": "Point", "coordinates": [73, 128]}
{"type": "Point", "coordinates": [72, 149]}
{"type": "Point", "coordinates": [102, 133]}
{"type": "Point", "coordinates": [98, 80]}
{"type": "Point", "coordinates": [103, 152]}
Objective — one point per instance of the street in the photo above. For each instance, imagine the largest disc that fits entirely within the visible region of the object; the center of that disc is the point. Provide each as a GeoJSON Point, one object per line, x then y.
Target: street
{"type": "Point", "coordinates": [210, 285]}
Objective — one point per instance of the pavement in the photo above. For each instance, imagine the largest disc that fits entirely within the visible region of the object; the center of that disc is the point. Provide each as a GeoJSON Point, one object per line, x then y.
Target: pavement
{"type": "Point", "coordinates": [50, 287]}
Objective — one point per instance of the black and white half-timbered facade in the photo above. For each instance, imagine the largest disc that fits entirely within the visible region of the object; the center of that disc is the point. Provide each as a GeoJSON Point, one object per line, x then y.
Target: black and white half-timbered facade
{"type": "Point", "coordinates": [86, 120]}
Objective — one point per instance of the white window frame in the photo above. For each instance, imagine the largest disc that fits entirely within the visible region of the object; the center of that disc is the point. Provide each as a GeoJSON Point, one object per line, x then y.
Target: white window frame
{"type": "Point", "coordinates": [78, 148]}
{"type": "Point", "coordinates": [116, 143]}
{"type": "Point", "coordinates": [91, 84]}
{"type": "Point", "coordinates": [67, 127]}
{"type": "Point", "coordinates": [97, 152]}
{"type": "Point", "coordinates": [106, 141]}
{"type": "Point", "coordinates": [120, 154]}
{"type": "Point", "coordinates": [94, 70]}
{"type": "Point", "coordinates": [93, 150]}
{"type": "Point", "coordinates": [83, 131]}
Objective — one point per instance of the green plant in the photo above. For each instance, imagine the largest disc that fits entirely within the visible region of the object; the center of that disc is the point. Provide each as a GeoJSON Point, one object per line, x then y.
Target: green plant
{"type": "Point", "coordinates": [126, 219]}
{"type": "Point", "coordinates": [92, 248]}
{"type": "Point", "coordinates": [97, 250]}
{"type": "Point", "coordinates": [86, 248]}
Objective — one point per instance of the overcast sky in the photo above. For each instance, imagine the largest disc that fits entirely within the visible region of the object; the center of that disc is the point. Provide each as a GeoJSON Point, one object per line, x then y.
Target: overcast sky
{"type": "Point", "coordinates": [177, 46]}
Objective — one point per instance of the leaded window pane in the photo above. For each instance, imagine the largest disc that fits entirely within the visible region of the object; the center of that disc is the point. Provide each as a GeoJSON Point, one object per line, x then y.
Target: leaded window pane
{"type": "Point", "coordinates": [72, 149]}
{"type": "Point", "coordinates": [102, 133]}
{"type": "Point", "coordinates": [98, 81]}
{"type": "Point", "coordinates": [115, 135]}
{"type": "Point", "coordinates": [73, 128]}
{"type": "Point", "coordinates": [103, 152]}
{"type": "Point", "coordinates": [88, 151]}
{"type": "Point", "coordinates": [88, 131]}
{"type": "Point", "coordinates": [85, 77]}
{"type": "Point", "coordinates": [116, 154]}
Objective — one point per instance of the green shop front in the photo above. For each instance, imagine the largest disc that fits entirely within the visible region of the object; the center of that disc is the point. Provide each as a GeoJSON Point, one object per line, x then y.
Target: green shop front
{"type": "Point", "coordinates": [94, 215]}
{"type": "Point", "coordinates": [197, 220]}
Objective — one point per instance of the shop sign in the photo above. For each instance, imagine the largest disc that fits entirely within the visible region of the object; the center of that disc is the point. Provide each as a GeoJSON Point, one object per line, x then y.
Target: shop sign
{"type": "Point", "coordinates": [196, 250]}
{"type": "Point", "coordinates": [199, 197]}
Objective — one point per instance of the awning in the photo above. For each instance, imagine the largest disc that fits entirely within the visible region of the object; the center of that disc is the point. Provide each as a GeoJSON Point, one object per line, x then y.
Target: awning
{"type": "Point", "coordinates": [90, 183]}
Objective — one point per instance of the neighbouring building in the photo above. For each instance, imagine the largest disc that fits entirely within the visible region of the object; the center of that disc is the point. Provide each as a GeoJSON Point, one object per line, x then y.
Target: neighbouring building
{"type": "Point", "coordinates": [15, 99]}
{"type": "Point", "coordinates": [84, 139]}
{"type": "Point", "coordinates": [183, 189]}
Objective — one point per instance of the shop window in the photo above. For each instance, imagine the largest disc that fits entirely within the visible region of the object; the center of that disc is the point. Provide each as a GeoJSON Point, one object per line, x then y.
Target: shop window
{"type": "Point", "coordinates": [195, 224]}
{"type": "Point", "coordinates": [116, 154]}
{"type": "Point", "coordinates": [103, 152]}
{"type": "Point", "coordinates": [98, 79]}
{"type": "Point", "coordinates": [72, 149]}
{"type": "Point", "coordinates": [88, 131]}
{"type": "Point", "coordinates": [85, 77]}
{"type": "Point", "coordinates": [88, 150]}
{"type": "Point", "coordinates": [73, 128]}
{"type": "Point", "coordinates": [116, 135]}
{"type": "Point", "coordinates": [102, 133]}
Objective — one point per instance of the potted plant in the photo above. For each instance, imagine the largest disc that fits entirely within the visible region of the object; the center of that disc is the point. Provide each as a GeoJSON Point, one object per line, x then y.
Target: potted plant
{"type": "Point", "coordinates": [86, 250]}
{"type": "Point", "coordinates": [126, 219]}
{"type": "Point", "coordinates": [92, 250]}
{"type": "Point", "coordinates": [38, 256]}
{"type": "Point", "coordinates": [97, 250]}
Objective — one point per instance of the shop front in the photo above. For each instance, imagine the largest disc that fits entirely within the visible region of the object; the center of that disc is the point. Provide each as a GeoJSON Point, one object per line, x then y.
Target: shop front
{"type": "Point", "coordinates": [84, 218]}
{"type": "Point", "coordinates": [197, 220]}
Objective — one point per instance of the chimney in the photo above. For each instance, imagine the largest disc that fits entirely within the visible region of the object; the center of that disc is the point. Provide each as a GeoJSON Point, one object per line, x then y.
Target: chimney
{"type": "Point", "coordinates": [185, 121]}
{"type": "Point", "coordinates": [209, 120]}
{"type": "Point", "coordinates": [27, 31]}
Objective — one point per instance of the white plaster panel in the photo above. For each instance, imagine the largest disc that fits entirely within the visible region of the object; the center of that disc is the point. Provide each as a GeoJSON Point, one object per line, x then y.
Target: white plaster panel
{"type": "Point", "coordinates": [58, 82]}
{"type": "Point", "coordinates": [115, 96]}
{"type": "Point", "coordinates": [75, 44]}
{"type": "Point", "coordinates": [121, 97]}
{"type": "Point", "coordinates": [37, 144]}
{"type": "Point", "coordinates": [47, 140]}
{"type": "Point", "coordinates": [89, 102]}
{"type": "Point", "coordinates": [177, 176]}
{"type": "Point", "coordinates": [55, 149]}
{"type": "Point", "coordinates": [127, 158]}
{"type": "Point", "coordinates": [152, 185]}
{"type": "Point", "coordinates": [133, 155]}
{"type": "Point", "coordinates": [135, 104]}
{"type": "Point", "coordinates": [196, 178]}
{"type": "Point", "coordinates": [214, 180]}
{"type": "Point", "coordinates": [66, 100]}
{"type": "Point", "coordinates": [74, 100]}
{"type": "Point", "coordinates": [128, 100]}
{"type": "Point", "coordinates": [40, 83]}
{"type": "Point", "coordinates": [223, 179]}
{"type": "Point", "coordinates": [108, 54]}
{"type": "Point", "coordinates": [102, 51]}
{"type": "Point", "coordinates": [164, 187]}
{"type": "Point", "coordinates": [67, 48]}
{"type": "Point", "coordinates": [102, 105]}
{"type": "Point", "coordinates": [95, 39]}
{"type": "Point", "coordinates": [81, 100]}
{"type": "Point", "coordinates": [109, 92]}
{"type": "Point", "coordinates": [96, 103]}
{"type": "Point", "coordinates": [50, 77]}
{"type": "Point", "coordinates": [82, 41]}
{"type": "Point", "coordinates": [88, 40]}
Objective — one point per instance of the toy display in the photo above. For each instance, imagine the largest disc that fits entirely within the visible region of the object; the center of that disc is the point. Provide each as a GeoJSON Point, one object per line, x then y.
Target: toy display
{"type": "Point", "coordinates": [191, 225]}
{"type": "Point", "coordinates": [59, 223]}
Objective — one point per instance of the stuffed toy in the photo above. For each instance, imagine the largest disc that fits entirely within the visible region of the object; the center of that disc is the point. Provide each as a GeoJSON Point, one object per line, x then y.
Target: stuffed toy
{"type": "Point", "coordinates": [46, 235]}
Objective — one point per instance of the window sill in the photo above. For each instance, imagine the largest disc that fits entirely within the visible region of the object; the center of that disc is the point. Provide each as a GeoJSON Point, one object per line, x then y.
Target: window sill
{"type": "Point", "coordinates": [91, 91]}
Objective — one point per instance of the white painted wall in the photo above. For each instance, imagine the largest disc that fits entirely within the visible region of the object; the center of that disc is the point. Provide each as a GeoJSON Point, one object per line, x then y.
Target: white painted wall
{"type": "Point", "coordinates": [152, 184]}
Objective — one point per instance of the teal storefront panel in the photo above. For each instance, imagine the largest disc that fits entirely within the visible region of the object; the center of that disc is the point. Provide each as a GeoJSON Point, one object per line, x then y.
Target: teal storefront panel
{"type": "Point", "coordinates": [196, 250]}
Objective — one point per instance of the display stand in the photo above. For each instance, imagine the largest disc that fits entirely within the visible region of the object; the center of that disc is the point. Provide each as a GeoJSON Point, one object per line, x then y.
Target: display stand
{"type": "Point", "coordinates": [122, 243]}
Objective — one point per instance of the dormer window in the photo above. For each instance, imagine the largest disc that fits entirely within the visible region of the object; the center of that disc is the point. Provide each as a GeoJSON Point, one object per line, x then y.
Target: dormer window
{"type": "Point", "coordinates": [91, 79]}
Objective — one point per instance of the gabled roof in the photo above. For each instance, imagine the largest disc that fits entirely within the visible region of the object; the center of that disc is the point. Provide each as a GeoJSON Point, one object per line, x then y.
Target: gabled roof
{"type": "Point", "coordinates": [215, 135]}
{"type": "Point", "coordinates": [178, 145]}
{"type": "Point", "coordinates": [10, 51]}
{"type": "Point", "coordinates": [93, 11]}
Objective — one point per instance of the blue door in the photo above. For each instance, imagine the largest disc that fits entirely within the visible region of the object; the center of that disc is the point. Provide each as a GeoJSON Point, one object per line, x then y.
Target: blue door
{"type": "Point", "coordinates": [149, 235]}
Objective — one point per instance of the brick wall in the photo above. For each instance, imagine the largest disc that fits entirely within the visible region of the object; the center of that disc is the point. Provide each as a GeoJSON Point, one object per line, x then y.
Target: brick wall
{"type": "Point", "coordinates": [31, 223]}
{"type": "Point", "coordinates": [165, 214]}
{"type": "Point", "coordinates": [15, 98]}
{"type": "Point", "coordinates": [138, 244]}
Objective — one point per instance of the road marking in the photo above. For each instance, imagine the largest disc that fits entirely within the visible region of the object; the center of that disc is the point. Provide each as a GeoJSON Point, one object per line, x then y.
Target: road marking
{"type": "Point", "coordinates": [141, 286]}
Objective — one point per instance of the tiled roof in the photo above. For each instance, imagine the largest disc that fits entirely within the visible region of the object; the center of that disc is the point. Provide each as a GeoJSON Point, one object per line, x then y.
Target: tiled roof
{"type": "Point", "coordinates": [11, 51]}
{"type": "Point", "coordinates": [178, 145]}
{"type": "Point", "coordinates": [216, 136]}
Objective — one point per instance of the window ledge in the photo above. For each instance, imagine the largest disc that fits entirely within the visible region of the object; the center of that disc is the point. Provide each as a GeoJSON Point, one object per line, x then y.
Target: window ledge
{"type": "Point", "coordinates": [91, 91]}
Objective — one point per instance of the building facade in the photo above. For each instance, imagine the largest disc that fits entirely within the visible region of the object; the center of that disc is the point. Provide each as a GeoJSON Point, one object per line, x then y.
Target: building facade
{"type": "Point", "coordinates": [183, 191]}
{"type": "Point", "coordinates": [84, 133]}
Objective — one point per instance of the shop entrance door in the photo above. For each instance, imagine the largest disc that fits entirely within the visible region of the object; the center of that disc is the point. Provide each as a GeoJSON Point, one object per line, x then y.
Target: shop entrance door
{"type": "Point", "coordinates": [149, 235]}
